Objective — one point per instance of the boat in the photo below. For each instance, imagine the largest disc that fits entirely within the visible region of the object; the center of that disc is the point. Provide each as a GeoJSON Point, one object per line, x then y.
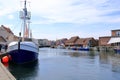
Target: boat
{"type": "Point", "coordinates": [80, 48]}
{"type": "Point", "coordinates": [83, 48]}
{"type": "Point", "coordinates": [61, 46]}
{"type": "Point", "coordinates": [73, 48]}
{"type": "Point", "coordinates": [24, 50]}
{"type": "Point", "coordinates": [117, 50]}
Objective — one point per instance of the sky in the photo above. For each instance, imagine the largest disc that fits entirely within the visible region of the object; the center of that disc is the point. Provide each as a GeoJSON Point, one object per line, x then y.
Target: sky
{"type": "Point", "coordinates": [56, 19]}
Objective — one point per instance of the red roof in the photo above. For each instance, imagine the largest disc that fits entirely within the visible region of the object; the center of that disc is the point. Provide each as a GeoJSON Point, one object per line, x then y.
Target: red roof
{"type": "Point", "coordinates": [72, 40]}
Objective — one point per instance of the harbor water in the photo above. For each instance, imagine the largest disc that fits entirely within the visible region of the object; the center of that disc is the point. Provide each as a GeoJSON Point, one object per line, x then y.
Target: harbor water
{"type": "Point", "coordinates": [62, 64]}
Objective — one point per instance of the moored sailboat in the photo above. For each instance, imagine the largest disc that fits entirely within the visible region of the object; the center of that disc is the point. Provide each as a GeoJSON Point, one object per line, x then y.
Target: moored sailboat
{"type": "Point", "coordinates": [23, 51]}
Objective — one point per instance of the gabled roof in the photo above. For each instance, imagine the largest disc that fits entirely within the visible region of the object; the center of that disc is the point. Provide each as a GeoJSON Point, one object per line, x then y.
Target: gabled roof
{"type": "Point", "coordinates": [83, 40]}
{"type": "Point", "coordinates": [72, 39]}
{"type": "Point", "coordinates": [103, 41]}
{"type": "Point", "coordinates": [7, 29]}
{"type": "Point", "coordinates": [88, 39]}
{"type": "Point", "coordinates": [80, 41]}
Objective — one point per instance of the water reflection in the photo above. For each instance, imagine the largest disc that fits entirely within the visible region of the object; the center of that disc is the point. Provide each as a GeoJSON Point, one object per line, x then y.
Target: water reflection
{"type": "Point", "coordinates": [61, 64]}
{"type": "Point", "coordinates": [115, 64]}
{"type": "Point", "coordinates": [110, 60]}
{"type": "Point", "coordinates": [104, 58]}
{"type": "Point", "coordinates": [21, 72]}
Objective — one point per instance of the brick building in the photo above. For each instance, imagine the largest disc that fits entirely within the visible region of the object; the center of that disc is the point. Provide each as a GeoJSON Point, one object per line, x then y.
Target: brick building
{"type": "Point", "coordinates": [86, 42]}
{"type": "Point", "coordinates": [7, 34]}
{"type": "Point", "coordinates": [113, 40]}
{"type": "Point", "coordinates": [103, 41]}
{"type": "Point", "coordinates": [115, 33]}
{"type": "Point", "coordinates": [81, 42]}
{"type": "Point", "coordinates": [71, 41]}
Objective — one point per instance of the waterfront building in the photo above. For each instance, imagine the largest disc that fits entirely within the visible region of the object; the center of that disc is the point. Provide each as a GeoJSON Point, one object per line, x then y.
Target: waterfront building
{"type": "Point", "coordinates": [71, 41]}
{"type": "Point", "coordinates": [115, 40]}
{"type": "Point", "coordinates": [103, 41]}
{"type": "Point", "coordinates": [110, 42]}
{"type": "Point", "coordinates": [83, 44]}
{"type": "Point", "coordinates": [86, 42]}
{"type": "Point", "coordinates": [115, 33]}
{"type": "Point", "coordinates": [43, 42]}
{"type": "Point", "coordinates": [61, 41]}
{"type": "Point", "coordinates": [2, 40]}
{"type": "Point", "coordinates": [7, 34]}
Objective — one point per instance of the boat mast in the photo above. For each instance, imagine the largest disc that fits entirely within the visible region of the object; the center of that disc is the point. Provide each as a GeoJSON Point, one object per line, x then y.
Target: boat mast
{"type": "Point", "coordinates": [29, 29]}
{"type": "Point", "coordinates": [24, 18]}
{"type": "Point", "coordinates": [25, 15]}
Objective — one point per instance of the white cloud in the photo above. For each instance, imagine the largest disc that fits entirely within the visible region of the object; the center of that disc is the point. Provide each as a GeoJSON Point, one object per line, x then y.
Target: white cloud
{"type": "Point", "coordinates": [10, 16]}
{"type": "Point", "coordinates": [72, 11]}
{"type": "Point", "coordinates": [9, 6]}
{"type": "Point", "coordinates": [4, 11]}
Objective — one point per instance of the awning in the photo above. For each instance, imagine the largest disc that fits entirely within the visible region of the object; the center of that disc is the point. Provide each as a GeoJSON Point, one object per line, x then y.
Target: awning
{"type": "Point", "coordinates": [114, 40]}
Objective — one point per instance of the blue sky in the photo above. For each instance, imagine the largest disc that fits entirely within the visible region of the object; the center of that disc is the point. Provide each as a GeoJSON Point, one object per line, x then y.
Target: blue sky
{"type": "Point", "coordinates": [56, 19]}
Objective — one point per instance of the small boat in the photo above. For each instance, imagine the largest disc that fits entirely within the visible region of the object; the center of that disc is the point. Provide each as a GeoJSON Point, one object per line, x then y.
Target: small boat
{"type": "Point", "coordinates": [80, 48]}
{"type": "Point", "coordinates": [23, 51]}
{"type": "Point", "coordinates": [83, 48]}
{"type": "Point", "coordinates": [61, 46]}
{"type": "Point", "coordinates": [117, 50]}
{"type": "Point", "coordinates": [73, 48]}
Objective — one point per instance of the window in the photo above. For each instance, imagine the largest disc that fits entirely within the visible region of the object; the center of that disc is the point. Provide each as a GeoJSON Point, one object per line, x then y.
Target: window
{"type": "Point", "coordinates": [118, 33]}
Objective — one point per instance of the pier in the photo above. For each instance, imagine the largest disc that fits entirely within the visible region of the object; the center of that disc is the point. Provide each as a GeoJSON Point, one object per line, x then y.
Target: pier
{"type": "Point", "coordinates": [4, 73]}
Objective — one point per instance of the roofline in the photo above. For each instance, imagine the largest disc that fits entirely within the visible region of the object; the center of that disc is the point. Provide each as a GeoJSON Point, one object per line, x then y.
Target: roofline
{"type": "Point", "coordinates": [116, 30]}
{"type": "Point", "coordinates": [105, 37]}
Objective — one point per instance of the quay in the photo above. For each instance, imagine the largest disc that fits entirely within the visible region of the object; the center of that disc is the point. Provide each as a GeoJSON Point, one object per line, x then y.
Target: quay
{"type": "Point", "coordinates": [4, 73]}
